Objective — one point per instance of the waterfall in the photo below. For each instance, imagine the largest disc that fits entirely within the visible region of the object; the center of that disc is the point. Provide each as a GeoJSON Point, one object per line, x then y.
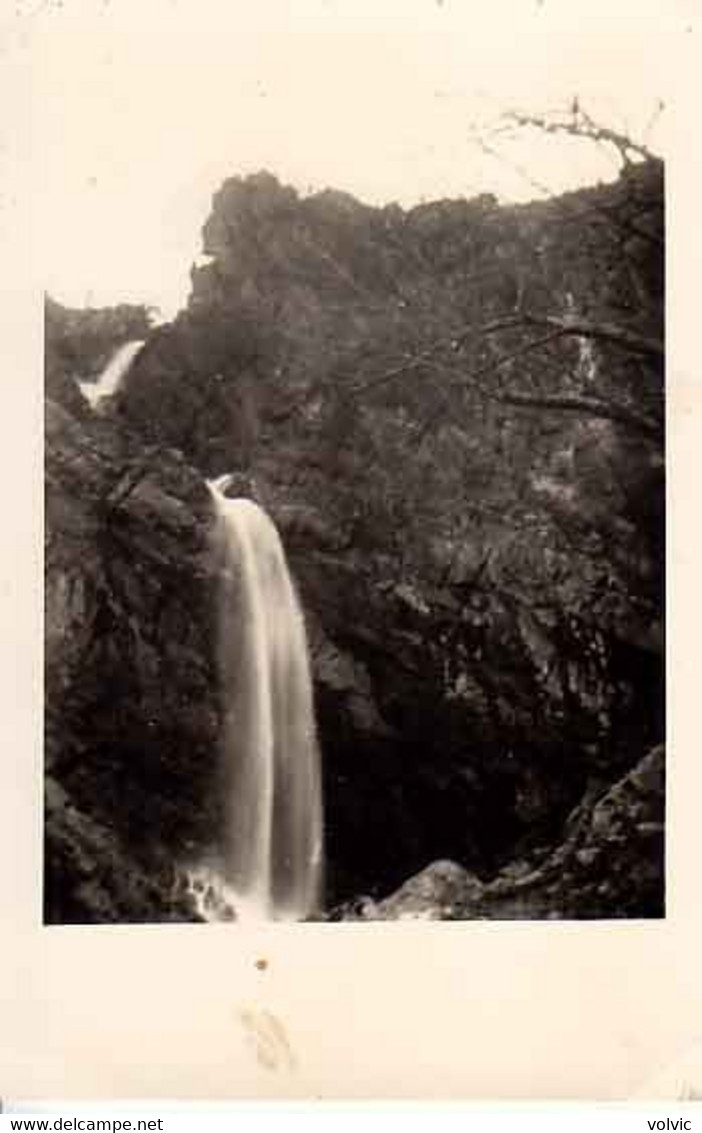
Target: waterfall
{"type": "Point", "coordinates": [111, 377]}
{"type": "Point", "coordinates": [272, 843]}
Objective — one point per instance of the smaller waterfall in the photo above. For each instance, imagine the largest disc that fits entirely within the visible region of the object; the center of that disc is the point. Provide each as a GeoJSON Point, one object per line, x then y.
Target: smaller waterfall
{"type": "Point", "coordinates": [272, 845]}
{"type": "Point", "coordinates": [111, 377]}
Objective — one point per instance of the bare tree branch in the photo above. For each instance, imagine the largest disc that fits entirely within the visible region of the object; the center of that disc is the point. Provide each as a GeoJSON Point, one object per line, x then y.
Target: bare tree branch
{"type": "Point", "coordinates": [589, 406]}
{"type": "Point", "coordinates": [426, 359]}
{"type": "Point", "coordinates": [408, 365]}
{"type": "Point", "coordinates": [586, 405]}
{"type": "Point", "coordinates": [561, 326]}
{"type": "Point", "coordinates": [608, 332]}
{"type": "Point", "coordinates": [577, 123]}
{"type": "Point", "coordinates": [581, 125]}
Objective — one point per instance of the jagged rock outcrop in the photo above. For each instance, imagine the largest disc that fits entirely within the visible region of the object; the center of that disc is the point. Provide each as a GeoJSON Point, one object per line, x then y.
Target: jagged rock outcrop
{"type": "Point", "coordinates": [132, 717]}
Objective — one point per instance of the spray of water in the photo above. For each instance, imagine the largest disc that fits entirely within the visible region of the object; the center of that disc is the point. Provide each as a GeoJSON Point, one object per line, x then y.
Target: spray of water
{"type": "Point", "coordinates": [272, 861]}
{"type": "Point", "coordinates": [111, 377]}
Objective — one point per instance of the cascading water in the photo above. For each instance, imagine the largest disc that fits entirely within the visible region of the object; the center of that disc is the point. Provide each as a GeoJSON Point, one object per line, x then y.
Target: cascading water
{"type": "Point", "coordinates": [111, 377]}
{"type": "Point", "coordinates": [272, 858]}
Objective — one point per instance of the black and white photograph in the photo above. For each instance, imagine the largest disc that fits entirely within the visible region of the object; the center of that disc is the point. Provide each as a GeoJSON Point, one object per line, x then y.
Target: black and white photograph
{"type": "Point", "coordinates": [354, 465]}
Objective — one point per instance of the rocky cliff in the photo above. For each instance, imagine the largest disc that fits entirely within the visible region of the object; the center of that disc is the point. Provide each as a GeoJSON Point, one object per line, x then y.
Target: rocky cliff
{"type": "Point", "coordinates": [131, 719]}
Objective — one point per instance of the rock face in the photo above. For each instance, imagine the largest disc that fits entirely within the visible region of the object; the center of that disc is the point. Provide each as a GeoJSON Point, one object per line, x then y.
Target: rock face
{"type": "Point", "coordinates": [132, 718]}
{"type": "Point", "coordinates": [471, 497]}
